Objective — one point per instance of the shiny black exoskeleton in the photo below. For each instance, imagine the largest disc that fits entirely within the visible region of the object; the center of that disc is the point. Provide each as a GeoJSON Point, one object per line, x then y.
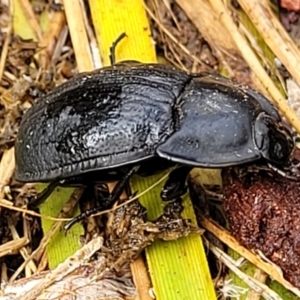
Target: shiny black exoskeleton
{"type": "Point", "coordinates": [119, 119]}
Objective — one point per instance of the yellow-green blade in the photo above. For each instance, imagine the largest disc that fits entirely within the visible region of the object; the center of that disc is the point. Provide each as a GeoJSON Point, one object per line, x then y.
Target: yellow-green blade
{"type": "Point", "coordinates": [178, 269]}
{"type": "Point", "coordinates": [61, 245]}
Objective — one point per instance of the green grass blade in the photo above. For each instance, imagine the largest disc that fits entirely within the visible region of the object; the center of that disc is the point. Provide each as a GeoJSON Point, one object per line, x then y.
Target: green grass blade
{"type": "Point", "coordinates": [178, 269]}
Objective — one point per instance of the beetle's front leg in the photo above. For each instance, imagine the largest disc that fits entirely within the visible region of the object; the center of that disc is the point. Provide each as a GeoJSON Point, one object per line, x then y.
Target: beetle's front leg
{"type": "Point", "coordinates": [176, 184]}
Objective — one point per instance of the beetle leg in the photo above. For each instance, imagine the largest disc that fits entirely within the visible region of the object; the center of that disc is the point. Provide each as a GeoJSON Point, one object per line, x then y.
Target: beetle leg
{"type": "Point", "coordinates": [118, 190]}
{"type": "Point", "coordinates": [108, 202]}
{"type": "Point", "coordinates": [283, 173]}
{"type": "Point", "coordinates": [76, 181]}
{"type": "Point", "coordinates": [176, 184]}
{"type": "Point", "coordinates": [45, 193]}
{"type": "Point", "coordinates": [101, 191]}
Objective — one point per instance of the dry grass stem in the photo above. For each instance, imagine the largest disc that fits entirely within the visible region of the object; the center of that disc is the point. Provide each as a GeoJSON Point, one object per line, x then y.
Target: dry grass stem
{"type": "Point", "coordinates": [135, 197]}
{"type": "Point", "coordinates": [88, 281]}
{"type": "Point", "coordinates": [254, 284]}
{"type": "Point", "coordinates": [23, 250]}
{"type": "Point", "coordinates": [79, 36]}
{"type": "Point", "coordinates": [93, 41]}
{"type": "Point", "coordinates": [76, 276]}
{"type": "Point", "coordinates": [7, 167]}
{"type": "Point", "coordinates": [6, 43]}
{"type": "Point", "coordinates": [172, 37]}
{"type": "Point", "coordinates": [37, 253]}
{"type": "Point", "coordinates": [4, 272]}
{"type": "Point", "coordinates": [22, 267]}
{"type": "Point", "coordinates": [10, 76]}
{"type": "Point", "coordinates": [207, 22]}
{"type": "Point", "coordinates": [13, 246]}
{"type": "Point", "coordinates": [260, 276]}
{"type": "Point", "coordinates": [254, 63]}
{"type": "Point", "coordinates": [73, 262]}
{"type": "Point", "coordinates": [57, 52]}
{"type": "Point", "coordinates": [272, 270]}
{"type": "Point", "coordinates": [168, 6]}
{"type": "Point", "coordinates": [43, 262]}
{"type": "Point", "coordinates": [141, 278]}
{"type": "Point", "coordinates": [178, 63]}
{"type": "Point", "coordinates": [221, 42]}
{"type": "Point", "coordinates": [273, 33]}
{"type": "Point", "coordinates": [7, 204]}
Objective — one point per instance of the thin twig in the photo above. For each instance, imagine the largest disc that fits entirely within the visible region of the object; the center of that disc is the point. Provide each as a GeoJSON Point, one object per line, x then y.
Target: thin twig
{"type": "Point", "coordinates": [171, 36]}
{"type": "Point", "coordinates": [254, 63]}
{"type": "Point", "coordinates": [47, 237]}
{"type": "Point", "coordinates": [273, 33]}
{"type": "Point", "coordinates": [7, 167]}
{"type": "Point", "coordinates": [79, 36]}
{"type": "Point", "coordinates": [93, 42]}
{"type": "Point", "coordinates": [23, 250]}
{"type": "Point", "coordinates": [260, 276]}
{"type": "Point", "coordinates": [12, 246]}
{"type": "Point", "coordinates": [254, 284]}
{"type": "Point", "coordinates": [271, 269]}
{"type": "Point", "coordinates": [69, 265]}
{"type": "Point", "coordinates": [141, 278]}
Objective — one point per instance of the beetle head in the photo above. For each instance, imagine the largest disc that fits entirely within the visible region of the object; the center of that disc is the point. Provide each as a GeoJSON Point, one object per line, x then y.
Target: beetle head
{"type": "Point", "coordinates": [273, 139]}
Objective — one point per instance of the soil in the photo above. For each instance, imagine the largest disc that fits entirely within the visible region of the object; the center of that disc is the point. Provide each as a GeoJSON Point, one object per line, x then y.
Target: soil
{"type": "Point", "coordinates": [263, 213]}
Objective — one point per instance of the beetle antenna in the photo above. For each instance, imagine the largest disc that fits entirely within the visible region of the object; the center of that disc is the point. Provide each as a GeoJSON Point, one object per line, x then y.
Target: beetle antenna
{"type": "Point", "coordinates": [283, 174]}
{"type": "Point", "coordinates": [112, 49]}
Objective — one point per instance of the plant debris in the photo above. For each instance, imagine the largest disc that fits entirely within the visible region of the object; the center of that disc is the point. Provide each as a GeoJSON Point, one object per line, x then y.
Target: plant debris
{"type": "Point", "coordinates": [87, 282]}
{"type": "Point", "coordinates": [127, 233]}
{"type": "Point", "coordinates": [88, 279]}
{"type": "Point", "coordinates": [263, 209]}
{"type": "Point", "coordinates": [176, 22]}
{"type": "Point", "coordinates": [263, 213]}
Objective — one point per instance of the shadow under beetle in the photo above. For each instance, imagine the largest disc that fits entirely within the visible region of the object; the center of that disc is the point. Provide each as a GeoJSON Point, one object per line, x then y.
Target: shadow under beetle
{"type": "Point", "coordinates": [138, 118]}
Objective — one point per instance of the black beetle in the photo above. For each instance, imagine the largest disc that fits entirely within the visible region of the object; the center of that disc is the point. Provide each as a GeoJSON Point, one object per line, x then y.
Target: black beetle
{"type": "Point", "coordinates": [132, 117]}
